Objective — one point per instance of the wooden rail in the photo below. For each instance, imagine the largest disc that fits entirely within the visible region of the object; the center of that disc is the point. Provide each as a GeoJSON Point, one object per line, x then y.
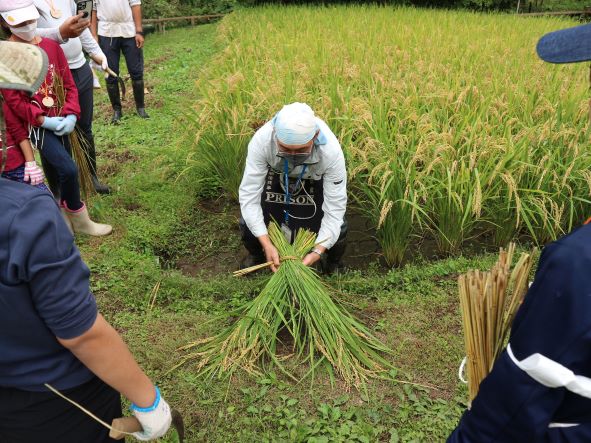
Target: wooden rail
{"type": "Point", "coordinates": [160, 23]}
{"type": "Point", "coordinates": [569, 13]}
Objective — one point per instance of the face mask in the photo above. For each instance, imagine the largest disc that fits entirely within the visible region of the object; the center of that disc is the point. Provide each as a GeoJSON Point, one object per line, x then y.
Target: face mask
{"type": "Point", "coordinates": [26, 33]}
{"type": "Point", "coordinates": [296, 159]}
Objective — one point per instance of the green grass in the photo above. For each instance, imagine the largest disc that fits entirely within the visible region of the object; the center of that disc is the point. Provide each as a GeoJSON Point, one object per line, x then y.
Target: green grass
{"type": "Point", "coordinates": [166, 220]}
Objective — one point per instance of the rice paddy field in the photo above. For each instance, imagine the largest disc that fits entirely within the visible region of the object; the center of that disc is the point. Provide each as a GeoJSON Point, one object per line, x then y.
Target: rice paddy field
{"type": "Point", "coordinates": [457, 139]}
{"type": "Point", "coordinates": [452, 127]}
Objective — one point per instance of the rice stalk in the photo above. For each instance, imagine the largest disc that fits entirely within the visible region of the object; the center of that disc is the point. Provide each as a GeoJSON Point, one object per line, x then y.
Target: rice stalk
{"type": "Point", "coordinates": [295, 301]}
{"type": "Point", "coordinates": [489, 301]}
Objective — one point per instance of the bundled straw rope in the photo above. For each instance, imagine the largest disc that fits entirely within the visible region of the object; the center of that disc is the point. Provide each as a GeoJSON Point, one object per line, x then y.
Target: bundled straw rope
{"type": "Point", "coordinates": [78, 143]}
{"type": "Point", "coordinates": [489, 302]}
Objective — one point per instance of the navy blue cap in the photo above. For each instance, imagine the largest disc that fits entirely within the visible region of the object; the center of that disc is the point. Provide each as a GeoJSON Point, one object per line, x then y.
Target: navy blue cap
{"type": "Point", "coordinates": [570, 45]}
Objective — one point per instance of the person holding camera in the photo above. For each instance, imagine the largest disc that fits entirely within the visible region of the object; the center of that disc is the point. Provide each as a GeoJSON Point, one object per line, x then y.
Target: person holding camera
{"type": "Point", "coordinates": [53, 13]}
{"type": "Point", "coordinates": [117, 25]}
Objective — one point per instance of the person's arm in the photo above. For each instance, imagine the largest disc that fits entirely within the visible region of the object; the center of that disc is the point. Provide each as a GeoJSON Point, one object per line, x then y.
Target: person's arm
{"type": "Point", "coordinates": [250, 191]}
{"type": "Point", "coordinates": [71, 105]}
{"type": "Point", "coordinates": [43, 255]}
{"type": "Point", "coordinates": [94, 24]}
{"type": "Point", "coordinates": [22, 107]}
{"type": "Point", "coordinates": [136, 12]}
{"type": "Point", "coordinates": [90, 45]}
{"type": "Point", "coordinates": [102, 350]}
{"type": "Point", "coordinates": [514, 403]}
{"type": "Point", "coordinates": [334, 206]}
{"type": "Point", "coordinates": [72, 27]}
{"type": "Point", "coordinates": [27, 150]}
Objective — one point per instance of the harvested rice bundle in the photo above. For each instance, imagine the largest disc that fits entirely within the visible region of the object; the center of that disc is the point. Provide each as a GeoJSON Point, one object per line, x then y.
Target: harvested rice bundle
{"type": "Point", "coordinates": [489, 302]}
{"type": "Point", "coordinates": [296, 302]}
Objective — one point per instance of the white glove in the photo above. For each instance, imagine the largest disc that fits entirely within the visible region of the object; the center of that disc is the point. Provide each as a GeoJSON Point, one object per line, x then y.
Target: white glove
{"type": "Point", "coordinates": [103, 66]}
{"type": "Point", "coordinates": [155, 420]}
{"type": "Point", "coordinates": [33, 173]}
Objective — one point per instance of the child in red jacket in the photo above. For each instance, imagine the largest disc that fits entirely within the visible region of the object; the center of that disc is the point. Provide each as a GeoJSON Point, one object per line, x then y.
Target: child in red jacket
{"type": "Point", "coordinates": [18, 160]}
{"type": "Point", "coordinates": [50, 124]}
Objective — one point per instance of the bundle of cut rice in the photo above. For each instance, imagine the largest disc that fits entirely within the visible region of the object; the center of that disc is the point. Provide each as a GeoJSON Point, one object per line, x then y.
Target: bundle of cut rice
{"type": "Point", "coordinates": [489, 302]}
{"type": "Point", "coordinates": [296, 303]}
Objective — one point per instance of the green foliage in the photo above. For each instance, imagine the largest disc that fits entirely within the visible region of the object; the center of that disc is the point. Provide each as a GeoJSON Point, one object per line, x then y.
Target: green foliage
{"type": "Point", "coordinates": [181, 8]}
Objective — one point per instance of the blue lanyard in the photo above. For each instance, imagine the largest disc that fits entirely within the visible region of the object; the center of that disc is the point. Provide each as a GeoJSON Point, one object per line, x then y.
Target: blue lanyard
{"type": "Point", "coordinates": [287, 193]}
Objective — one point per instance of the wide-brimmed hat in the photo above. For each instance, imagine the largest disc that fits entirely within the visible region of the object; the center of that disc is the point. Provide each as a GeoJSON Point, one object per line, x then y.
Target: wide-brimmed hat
{"type": "Point", "coordinates": [15, 12]}
{"type": "Point", "coordinates": [569, 45]}
{"type": "Point", "coordinates": [22, 66]}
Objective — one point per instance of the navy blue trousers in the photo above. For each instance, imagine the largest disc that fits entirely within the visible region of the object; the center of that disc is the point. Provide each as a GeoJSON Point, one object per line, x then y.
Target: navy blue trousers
{"type": "Point", "coordinates": [134, 56]}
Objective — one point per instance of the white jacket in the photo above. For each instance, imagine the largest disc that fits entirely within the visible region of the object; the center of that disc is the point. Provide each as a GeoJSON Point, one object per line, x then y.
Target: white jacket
{"type": "Point", "coordinates": [47, 26]}
{"type": "Point", "coordinates": [115, 18]}
{"type": "Point", "coordinates": [327, 162]}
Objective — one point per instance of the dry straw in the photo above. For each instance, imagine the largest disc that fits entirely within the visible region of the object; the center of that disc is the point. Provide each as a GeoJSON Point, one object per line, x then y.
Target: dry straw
{"type": "Point", "coordinates": [489, 302]}
{"type": "Point", "coordinates": [294, 317]}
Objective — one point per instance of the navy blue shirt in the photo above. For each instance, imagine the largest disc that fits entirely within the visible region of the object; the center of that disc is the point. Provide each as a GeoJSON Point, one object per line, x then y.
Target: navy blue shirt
{"type": "Point", "coordinates": [555, 321]}
{"type": "Point", "coordinates": [44, 292]}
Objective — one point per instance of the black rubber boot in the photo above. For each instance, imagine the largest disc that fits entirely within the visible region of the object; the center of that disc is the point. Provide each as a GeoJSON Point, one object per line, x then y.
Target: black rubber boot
{"type": "Point", "coordinates": [334, 256]}
{"type": "Point", "coordinates": [98, 186]}
{"type": "Point", "coordinates": [138, 95]}
{"type": "Point", "coordinates": [255, 256]}
{"type": "Point", "coordinates": [114, 97]}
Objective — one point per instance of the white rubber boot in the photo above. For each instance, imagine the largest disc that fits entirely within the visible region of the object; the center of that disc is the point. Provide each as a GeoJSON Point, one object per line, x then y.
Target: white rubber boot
{"type": "Point", "coordinates": [82, 224]}
{"type": "Point", "coordinates": [67, 219]}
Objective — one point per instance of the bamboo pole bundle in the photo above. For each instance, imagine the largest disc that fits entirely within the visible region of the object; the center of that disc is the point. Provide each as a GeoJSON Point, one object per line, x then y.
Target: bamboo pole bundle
{"type": "Point", "coordinates": [489, 301]}
{"type": "Point", "coordinates": [295, 304]}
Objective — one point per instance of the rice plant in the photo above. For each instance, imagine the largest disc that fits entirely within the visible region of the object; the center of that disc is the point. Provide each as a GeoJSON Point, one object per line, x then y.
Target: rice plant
{"type": "Point", "coordinates": [449, 121]}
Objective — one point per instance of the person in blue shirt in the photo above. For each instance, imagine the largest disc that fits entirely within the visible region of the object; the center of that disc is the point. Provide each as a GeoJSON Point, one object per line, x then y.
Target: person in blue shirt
{"type": "Point", "coordinates": [539, 389]}
{"type": "Point", "coordinates": [50, 329]}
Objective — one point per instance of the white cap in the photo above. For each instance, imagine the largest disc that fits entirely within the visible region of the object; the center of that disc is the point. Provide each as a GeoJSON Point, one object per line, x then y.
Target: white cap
{"type": "Point", "coordinates": [18, 11]}
{"type": "Point", "coordinates": [295, 124]}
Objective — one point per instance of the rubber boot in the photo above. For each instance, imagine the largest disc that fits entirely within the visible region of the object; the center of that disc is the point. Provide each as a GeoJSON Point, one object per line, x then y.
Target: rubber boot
{"type": "Point", "coordinates": [138, 95]}
{"type": "Point", "coordinates": [255, 256]}
{"type": "Point", "coordinates": [82, 224]}
{"type": "Point", "coordinates": [67, 219]}
{"type": "Point", "coordinates": [91, 155]}
{"type": "Point", "coordinates": [334, 256]}
{"type": "Point", "coordinates": [113, 90]}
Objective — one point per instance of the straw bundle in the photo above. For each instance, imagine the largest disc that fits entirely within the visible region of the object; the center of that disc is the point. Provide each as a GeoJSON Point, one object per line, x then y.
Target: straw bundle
{"type": "Point", "coordinates": [489, 302]}
{"type": "Point", "coordinates": [294, 304]}
{"type": "Point", "coordinates": [78, 144]}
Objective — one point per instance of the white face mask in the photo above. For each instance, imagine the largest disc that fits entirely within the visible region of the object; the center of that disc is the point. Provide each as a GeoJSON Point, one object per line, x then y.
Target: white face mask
{"type": "Point", "coordinates": [26, 33]}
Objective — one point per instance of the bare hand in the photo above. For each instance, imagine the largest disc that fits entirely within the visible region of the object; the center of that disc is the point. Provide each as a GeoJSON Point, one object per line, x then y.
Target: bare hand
{"type": "Point", "coordinates": [272, 254]}
{"type": "Point", "coordinates": [310, 259]}
{"type": "Point", "coordinates": [73, 26]}
{"type": "Point", "coordinates": [139, 41]}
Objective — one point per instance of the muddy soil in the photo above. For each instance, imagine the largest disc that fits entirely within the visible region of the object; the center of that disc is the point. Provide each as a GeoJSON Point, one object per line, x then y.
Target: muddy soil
{"type": "Point", "coordinates": [363, 250]}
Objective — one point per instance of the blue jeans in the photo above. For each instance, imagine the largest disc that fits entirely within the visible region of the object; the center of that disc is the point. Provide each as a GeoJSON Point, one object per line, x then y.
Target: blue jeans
{"type": "Point", "coordinates": [55, 153]}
